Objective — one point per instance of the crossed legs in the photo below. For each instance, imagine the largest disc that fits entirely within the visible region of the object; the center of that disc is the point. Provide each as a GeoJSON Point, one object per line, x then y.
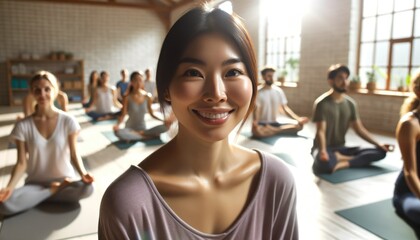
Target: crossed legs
{"type": "Point", "coordinates": [347, 157]}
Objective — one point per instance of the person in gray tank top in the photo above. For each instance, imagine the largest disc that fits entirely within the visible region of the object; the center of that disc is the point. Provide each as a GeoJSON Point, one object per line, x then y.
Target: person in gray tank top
{"type": "Point", "coordinates": [201, 185]}
{"type": "Point", "coordinates": [136, 103]}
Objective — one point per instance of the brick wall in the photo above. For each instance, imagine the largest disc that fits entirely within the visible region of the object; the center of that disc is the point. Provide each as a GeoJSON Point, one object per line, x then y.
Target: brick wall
{"type": "Point", "coordinates": [111, 38]}
{"type": "Point", "coordinates": [328, 37]}
{"type": "Point", "coordinates": [106, 38]}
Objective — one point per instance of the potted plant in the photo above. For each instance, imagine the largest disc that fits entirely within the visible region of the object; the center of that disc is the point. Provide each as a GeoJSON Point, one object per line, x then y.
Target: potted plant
{"type": "Point", "coordinates": [293, 65]}
{"type": "Point", "coordinates": [403, 85]}
{"type": "Point", "coordinates": [371, 84]}
{"type": "Point", "coordinates": [355, 83]}
{"type": "Point", "coordinates": [282, 76]}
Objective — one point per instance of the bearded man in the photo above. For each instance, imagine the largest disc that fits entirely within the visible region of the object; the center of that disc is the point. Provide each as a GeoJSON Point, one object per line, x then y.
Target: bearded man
{"type": "Point", "coordinates": [333, 113]}
{"type": "Point", "coordinates": [271, 101]}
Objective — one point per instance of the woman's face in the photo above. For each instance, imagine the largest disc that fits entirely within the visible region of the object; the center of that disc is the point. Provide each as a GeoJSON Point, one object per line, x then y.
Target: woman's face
{"type": "Point", "coordinates": [210, 92]}
{"type": "Point", "coordinates": [137, 82]}
{"type": "Point", "coordinates": [43, 92]}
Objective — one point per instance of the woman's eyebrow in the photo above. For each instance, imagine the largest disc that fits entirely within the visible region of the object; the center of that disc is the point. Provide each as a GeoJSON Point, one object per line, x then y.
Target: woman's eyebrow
{"type": "Point", "coordinates": [231, 61]}
{"type": "Point", "coordinates": [200, 62]}
{"type": "Point", "coordinates": [192, 60]}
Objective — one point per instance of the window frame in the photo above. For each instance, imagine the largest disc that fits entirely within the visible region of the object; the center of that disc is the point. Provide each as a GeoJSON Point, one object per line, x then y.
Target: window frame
{"type": "Point", "coordinates": [391, 42]}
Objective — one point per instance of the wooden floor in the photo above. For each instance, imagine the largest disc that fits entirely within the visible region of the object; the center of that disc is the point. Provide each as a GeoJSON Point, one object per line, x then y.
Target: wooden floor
{"type": "Point", "coordinates": [317, 200]}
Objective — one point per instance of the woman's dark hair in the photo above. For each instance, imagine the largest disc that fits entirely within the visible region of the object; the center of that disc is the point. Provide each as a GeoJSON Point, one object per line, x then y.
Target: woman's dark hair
{"type": "Point", "coordinates": [335, 69]}
{"type": "Point", "coordinates": [101, 79]}
{"type": "Point", "coordinates": [91, 76]}
{"type": "Point", "coordinates": [133, 76]}
{"type": "Point", "coordinates": [194, 23]}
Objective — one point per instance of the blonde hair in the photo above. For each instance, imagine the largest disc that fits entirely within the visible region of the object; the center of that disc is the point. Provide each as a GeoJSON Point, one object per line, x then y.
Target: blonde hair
{"type": "Point", "coordinates": [47, 76]}
{"type": "Point", "coordinates": [412, 102]}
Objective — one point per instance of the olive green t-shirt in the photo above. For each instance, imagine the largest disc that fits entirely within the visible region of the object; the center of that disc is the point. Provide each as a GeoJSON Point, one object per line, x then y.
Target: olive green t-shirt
{"type": "Point", "coordinates": [337, 115]}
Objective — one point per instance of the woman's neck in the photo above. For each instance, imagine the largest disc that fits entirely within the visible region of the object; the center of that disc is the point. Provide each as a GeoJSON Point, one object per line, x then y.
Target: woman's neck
{"type": "Point", "coordinates": [201, 158]}
{"type": "Point", "coordinates": [48, 111]}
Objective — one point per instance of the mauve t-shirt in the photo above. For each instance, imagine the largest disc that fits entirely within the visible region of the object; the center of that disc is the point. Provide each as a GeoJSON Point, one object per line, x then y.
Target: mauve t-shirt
{"type": "Point", "coordinates": [132, 208]}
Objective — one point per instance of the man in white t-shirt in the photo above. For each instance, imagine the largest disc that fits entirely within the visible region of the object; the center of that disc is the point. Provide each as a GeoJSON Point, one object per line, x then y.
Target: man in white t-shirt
{"type": "Point", "coordinates": [150, 85]}
{"type": "Point", "coordinates": [271, 100]}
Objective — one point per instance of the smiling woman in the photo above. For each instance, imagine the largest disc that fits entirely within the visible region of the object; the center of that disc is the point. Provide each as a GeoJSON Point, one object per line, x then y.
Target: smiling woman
{"type": "Point", "coordinates": [48, 138]}
{"type": "Point", "coordinates": [200, 185]}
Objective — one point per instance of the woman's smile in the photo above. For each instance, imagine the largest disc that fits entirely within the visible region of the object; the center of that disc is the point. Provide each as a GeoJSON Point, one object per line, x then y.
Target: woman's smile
{"type": "Point", "coordinates": [213, 117]}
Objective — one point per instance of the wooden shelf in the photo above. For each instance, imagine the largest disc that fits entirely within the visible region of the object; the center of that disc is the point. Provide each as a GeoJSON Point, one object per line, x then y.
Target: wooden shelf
{"type": "Point", "coordinates": [20, 71]}
{"type": "Point", "coordinates": [20, 89]}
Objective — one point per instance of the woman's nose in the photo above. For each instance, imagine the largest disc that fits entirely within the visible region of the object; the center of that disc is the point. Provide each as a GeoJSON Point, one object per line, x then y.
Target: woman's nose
{"type": "Point", "coordinates": [215, 90]}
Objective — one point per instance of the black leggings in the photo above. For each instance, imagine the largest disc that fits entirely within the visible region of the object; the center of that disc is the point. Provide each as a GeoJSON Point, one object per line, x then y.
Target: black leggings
{"type": "Point", "coordinates": [362, 157]}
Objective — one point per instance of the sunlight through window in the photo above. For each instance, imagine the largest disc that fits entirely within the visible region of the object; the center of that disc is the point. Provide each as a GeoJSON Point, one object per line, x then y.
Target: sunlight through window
{"type": "Point", "coordinates": [283, 30]}
{"type": "Point", "coordinates": [226, 6]}
{"type": "Point", "coordinates": [389, 43]}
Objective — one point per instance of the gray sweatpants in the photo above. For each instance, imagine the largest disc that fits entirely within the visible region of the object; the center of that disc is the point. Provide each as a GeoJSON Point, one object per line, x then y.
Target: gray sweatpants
{"type": "Point", "coordinates": [128, 134]}
{"type": "Point", "coordinates": [32, 194]}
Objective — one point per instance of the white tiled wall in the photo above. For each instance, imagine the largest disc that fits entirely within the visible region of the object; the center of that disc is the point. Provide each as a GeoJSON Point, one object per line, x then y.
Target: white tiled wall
{"type": "Point", "coordinates": [106, 38]}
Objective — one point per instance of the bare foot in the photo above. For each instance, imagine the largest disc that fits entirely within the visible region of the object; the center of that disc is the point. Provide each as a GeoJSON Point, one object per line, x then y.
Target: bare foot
{"type": "Point", "coordinates": [55, 186]}
{"type": "Point", "coordinates": [341, 165]}
{"type": "Point", "coordinates": [342, 158]}
{"type": "Point", "coordinates": [106, 117]}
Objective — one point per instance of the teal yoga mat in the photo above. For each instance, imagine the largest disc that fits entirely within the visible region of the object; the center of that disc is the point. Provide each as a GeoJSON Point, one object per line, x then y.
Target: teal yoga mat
{"type": "Point", "coordinates": [350, 174]}
{"type": "Point", "coordinates": [105, 122]}
{"type": "Point", "coordinates": [273, 139]}
{"type": "Point", "coordinates": [125, 145]}
{"type": "Point", "coordinates": [380, 219]}
{"type": "Point", "coordinates": [286, 158]}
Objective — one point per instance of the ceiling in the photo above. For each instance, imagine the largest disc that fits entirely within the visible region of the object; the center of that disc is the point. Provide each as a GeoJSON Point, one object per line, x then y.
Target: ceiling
{"type": "Point", "coordinates": [162, 8]}
{"type": "Point", "coordinates": [156, 5]}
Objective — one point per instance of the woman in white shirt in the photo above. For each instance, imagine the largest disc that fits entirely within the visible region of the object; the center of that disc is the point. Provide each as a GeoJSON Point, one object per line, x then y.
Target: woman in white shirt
{"type": "Point", "coordinates": [50, 137]}
{"type": "Point", "coordinates": [105, 104]}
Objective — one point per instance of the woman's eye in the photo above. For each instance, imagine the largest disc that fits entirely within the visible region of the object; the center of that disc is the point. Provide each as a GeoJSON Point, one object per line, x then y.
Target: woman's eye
{"type": "Point", "coordinates": [192, 73]}
{"type": "Point", "coordinates": [233, 73]}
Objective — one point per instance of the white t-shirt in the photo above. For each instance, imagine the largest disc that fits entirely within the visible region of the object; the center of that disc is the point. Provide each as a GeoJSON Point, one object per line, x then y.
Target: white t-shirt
{"type": "Point", "coordinates": [269, 100]}
{"type": "Point", "coordinates": [150, 87]}
{"type": "Point", "coordinates": [105, 101]}
{"type": "Point", "coordinates": [49, 159]}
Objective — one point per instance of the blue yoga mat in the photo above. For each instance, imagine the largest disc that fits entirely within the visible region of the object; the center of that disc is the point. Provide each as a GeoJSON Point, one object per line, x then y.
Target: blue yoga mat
{"type": "Point", "coordinates": [125, 145]}
{"type": "Point", "coordinates": [350, 174]}
{"type": "Point", "coordinates": [380, 219]}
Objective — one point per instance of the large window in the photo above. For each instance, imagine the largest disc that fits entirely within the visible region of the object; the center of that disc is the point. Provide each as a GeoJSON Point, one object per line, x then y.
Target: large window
{"type": "Point", "coordinates": [282, 39]}
{"type": "Point", "coordinates": [389, 42]}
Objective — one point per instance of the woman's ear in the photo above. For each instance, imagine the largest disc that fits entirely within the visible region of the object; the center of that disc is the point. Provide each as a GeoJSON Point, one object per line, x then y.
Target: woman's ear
{"type": "Point", "coordinates": [167, 96]}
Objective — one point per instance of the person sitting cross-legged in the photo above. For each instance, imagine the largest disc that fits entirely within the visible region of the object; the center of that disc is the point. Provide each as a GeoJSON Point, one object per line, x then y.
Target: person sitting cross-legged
{"type": "Point", "coordinates": [334, 113]}
{"type": "Point", "coordinates": [47, 153]}
{"type": "Point", "coordinates": [270, 101]}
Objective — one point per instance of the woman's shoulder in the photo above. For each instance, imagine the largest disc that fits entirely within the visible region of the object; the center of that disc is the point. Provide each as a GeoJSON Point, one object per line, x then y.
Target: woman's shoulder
{"type": "Point", "coordinates": [132, 184]}
{"type": "Point", "coordinates": [409, 122]}
{"type": "Point", "coordinates": [275, 170]}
